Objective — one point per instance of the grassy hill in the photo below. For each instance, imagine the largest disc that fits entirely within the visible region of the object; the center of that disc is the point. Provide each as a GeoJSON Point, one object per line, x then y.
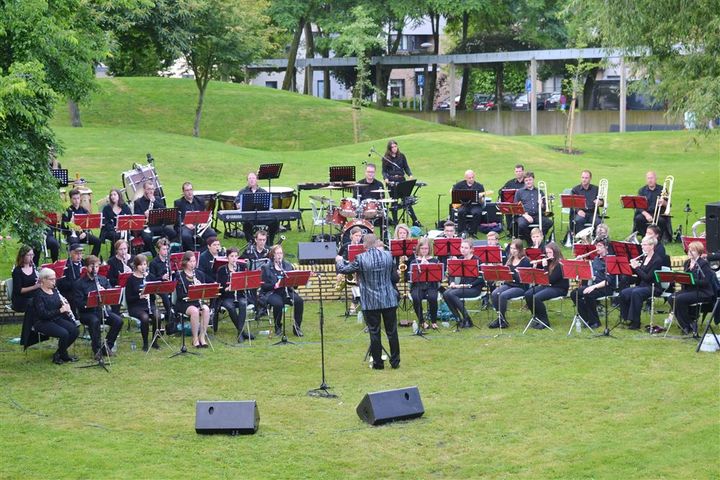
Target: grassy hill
{"type": "Point", "coordinates": [243, 115]}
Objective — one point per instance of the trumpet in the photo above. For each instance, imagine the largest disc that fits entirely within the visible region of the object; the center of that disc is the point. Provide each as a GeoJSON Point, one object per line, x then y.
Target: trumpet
{"type": "Point", "coordinates": [666, 196]}
{"type": "Point", "coordinates": [70, 313]}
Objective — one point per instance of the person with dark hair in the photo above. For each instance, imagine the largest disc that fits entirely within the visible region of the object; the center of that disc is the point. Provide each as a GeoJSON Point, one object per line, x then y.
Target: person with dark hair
{"type": "Point", "coordinates": [199, 313]}
{"type": "Point", "coordinates": [233, 301]}
{"type": "Point", "coordinates": [71, 274]}
{"type": "Point", "coordinates": [116, 206]}
{"type": "Point", "coordinates": [394, 168]}
{"type": "Point", "coordinates": [534, 203]}
{"type": "Point", "coordinates": [207, 258]}
{"type": "Point", "coordinates": [161, 271]}
{"type": "Point", "coordinates": [25, 279]}
{"type": "Point", "coordinates": [142, 206]}
{"type": "Point", "coordinates": [366, 187]}
{"type": "Point", "coordinates": [92, 317]}
{"type": "Point", "coordinates": [248, 227]}
{"type": "Point", "coordinates": [72, 235]}
{"type": "Point", "coordinates": [501, 295]}
{"type": "Point", "coordinates": [190, 203]}
{"type": "Point", "coordinates": [586, 294]}
{"type": "Point", "coordinates": [460, 288]}
{"type": "Point", "coordinates": [536, 296]}
{"type": "Point", "coordinates": [276, 296]}
{"type": "Point", "coordinates": [54, 317]}
{"type": "Point", "coordinates": [139, 305]}
{"type": "Point", "coordinates": [376, 272]}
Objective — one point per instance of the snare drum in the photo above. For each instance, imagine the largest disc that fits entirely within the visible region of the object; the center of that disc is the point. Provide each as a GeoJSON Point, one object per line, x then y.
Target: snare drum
{"type": "Point", "coordinates": [348, 207]}
{"type": "Point", "coordinates": [371, 209]}
{"type": "Point", "coordinates": [282, 197]}
{"type": "Point", "coordinates": [334, 217]}
{"type": "Point", "coordinates": [227, 200]}
{"type": "Point", "coordinates": [208, 197]}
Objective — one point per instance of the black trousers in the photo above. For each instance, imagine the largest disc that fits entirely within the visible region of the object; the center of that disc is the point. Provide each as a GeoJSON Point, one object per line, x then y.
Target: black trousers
{"type": "Point", "coordinates": [469, 225]}
{"type": "Point", "coordinates": [112, 235]}
{"type": "Point", "coordinates": [159, 231]}
{"type": "Point", "coordinates": [277, 302]}
{"type": "Point", "coordinates": [579, 223]}
{"type": "Point", "coordinates": [631, 302]}
{"type": "Point", "coordinates": [453, 297]}
{"type": "Point", "coordinates": [53, 247]}
{"type": "Point", "coordinates": [389, 319]}
{"type": "Point", "coordinates": [502, 294]}
{"type": "Point", "coordinates": [640, 225]}
{"type": "Point", "coordinates": [535, 297]}
{"type": "Point", "coordinates": [681, 302]}
{"type": "Point", "coordinates": [142, 314]}
{"type": "Point", "coordinates": [523, 227]}
{"type": "Point", "coordinates": [425, 291]}
{"type": "Point", "coordinates": [587, 303]}
{"type": "Point", "coordinates": [90, 239]}
{"type": "Point", "coordinates": [187, 237]}
{"type": "Point", "coordinates": [93, 320]}
{"type": "Point", "coordinates": [61, 328]}
{"type": "Point", "coordinates": [236, 310]}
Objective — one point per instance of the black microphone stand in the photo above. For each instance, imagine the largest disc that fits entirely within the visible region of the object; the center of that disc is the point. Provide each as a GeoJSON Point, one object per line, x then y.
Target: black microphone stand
{"type": "Point", "coordinates": [322, 390]}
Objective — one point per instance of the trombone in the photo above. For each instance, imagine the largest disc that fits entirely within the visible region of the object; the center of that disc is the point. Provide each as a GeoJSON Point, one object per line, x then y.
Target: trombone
{"type": "Point", "coordinates": [666, 196]}
{"type": "Point", "coordinates": [542, 192]}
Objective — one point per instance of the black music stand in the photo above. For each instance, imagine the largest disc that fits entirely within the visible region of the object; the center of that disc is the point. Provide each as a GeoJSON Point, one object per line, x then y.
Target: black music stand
{"type": "Point", "coordinates": [243, 281]}
{"type": "Point", "coordinates": [203, 291]}
{"type": "Point", "coordinates": [403, 248]}
{"type": "Point", "coordinates": [466, 196]}
{"type": "Point", "coordinates": [461, 267]}
{"type": "Point", "coordinates": [103, 298]}
{"type": "Point", "coordinates": [615, 265]}
{"type": "Point", "coordinates": [61, 175]}
{"type": "Point", "coordinates": [577, 270]}
{"type": "Point", "coordinates": [292, 279]}
{"type": "Point", "coordinates": [162, 216]}
{"type": "Point", "coordinates": [496, 273]}
{"type": "Point", "coordinates": [533, 277]}
{"type": "Point", "coordinates": [269, 171]}
{"type": "Point", "coordinates": [342, 174]}
{"type": "Point", "coordinates": [432, 273]}
{"type": "Point", "coordinates": [511, 209]}
{"type": "Point", "coordinates": [683, 278]}
{"type": "Point", "coordinates": [715, 312]}
{"type": "Point", "coordinates": [158, 288]}
{"type": "Point", "coordinates": [402, 191]}
{"type": "Point", "coordinates": [446, 247]}
{"type": "Point", "coordinates": [573, 203]}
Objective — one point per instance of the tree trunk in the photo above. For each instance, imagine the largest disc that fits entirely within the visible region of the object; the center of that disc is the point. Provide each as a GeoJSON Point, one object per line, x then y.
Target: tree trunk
{"type": "Point", "coordinates": [326, 83]}
{"type": "Point", "coordinates": [309, 53]}
{"type": "Point", "coordinates": [570, 127]}
{"type": "Point", "coordinates": [74, 110]}
{"type": "Point", "coordinates": [431, 81]}
{"type": "Point", "coordinates": [466, 69]}
{"type": "Point", "coordinates": [384, 78]}
{"type": "Point", "coordinates": [202, 86]}
{"type": "Point", "coordinates": [588, 88]}
{"type": "Point", "coordinates": [288, 82]}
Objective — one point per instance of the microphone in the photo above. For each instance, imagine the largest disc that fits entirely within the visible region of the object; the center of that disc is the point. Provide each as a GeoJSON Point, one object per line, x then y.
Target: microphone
{"type": "Point", "coordinates": [364, 162]}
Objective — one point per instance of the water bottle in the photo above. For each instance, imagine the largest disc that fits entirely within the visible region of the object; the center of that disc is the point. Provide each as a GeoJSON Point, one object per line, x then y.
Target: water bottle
{"type": "Point", "coordinates": [668, 321]}
{"type": "Point", "coordinates": [415, 326]}
{"type": "Point", "coordinates": [360, 318]}
{"type": "Point", "coordinates": [578, 325]}
{"type": "Point", "coordinates": [133, 346]}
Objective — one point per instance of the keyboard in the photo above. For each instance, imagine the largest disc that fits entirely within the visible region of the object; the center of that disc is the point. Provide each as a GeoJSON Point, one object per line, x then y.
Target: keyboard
{"type": "Point", "coordinates": [278, 215]}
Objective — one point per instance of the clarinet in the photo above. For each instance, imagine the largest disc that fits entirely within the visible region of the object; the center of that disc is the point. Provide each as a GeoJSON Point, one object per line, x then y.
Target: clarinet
{"type": "Point", "coordinates": [70, 313]}
{"type": "Point", "coordinates": [148, 297]}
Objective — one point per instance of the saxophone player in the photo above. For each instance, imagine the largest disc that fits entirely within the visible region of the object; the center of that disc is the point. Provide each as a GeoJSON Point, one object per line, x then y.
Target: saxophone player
{"type": "Point", "coordinates": [139, 306]}
{"type": "Point", "coordinates": [356, 235]}
{"type": "Point", "coordinates": [54, 317]}
{"type": "Point", "coordinates": [199, 313]}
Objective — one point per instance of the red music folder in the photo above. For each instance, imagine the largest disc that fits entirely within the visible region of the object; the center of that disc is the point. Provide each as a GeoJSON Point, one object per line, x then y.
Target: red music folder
{"type": "Point", "coordinates": [618, 265]}
{"type": "Point", "coordinates": [203, 291]}
{"type": "Point", "coordinates": [683, 278]}
{"type": "Point", "coordinates": [130, 222]}
{"type": "Point", "coordinates": [295, 278]}
{"type": "Point", "coordinates": [496, 273]}
{"type": "Point", "coordinates": [488, 253]}
{"type": "Point", "coordinates": [159, 287]}
{"type": "Point", "coordinates": [686, 241]}
{"type": "Point", "coordinates": [123, 278]}
{"type": "Point", "coordinates": [430, 272]}
{"type": "Point", "coordinates": [247, 280]}
{"type": "Point", "coordinates": [109, 296]}
{"type": "Point", "coordinates": [446, 247]}
{"type": "Point", "coordinates": [507, 195]}
{"type": "Point", "coordinates": [354, 251]}
{"type": "Point", "coordinates": [461, 267]}
{"type": "Point", "coordinates": [634, 201]}
{"type": "Point", "coordinates": [573, 201]}
{"type": "Point", "coordinates": [530, 276]}
{"type": "Point", "coordinates": [626, 249]}
{"type": "Point", "coordinates": [196, 218]}
{"type": "Point", "coordinates": [534, 253]}
{"type": "Point", "coordinates": [219, 262]}
{"type": "Point", "coordinates": [57, 267]}
{"type": "Point", "coordinates": [577, 269]}
{"type": "Point", "coordinates": [509, 208]}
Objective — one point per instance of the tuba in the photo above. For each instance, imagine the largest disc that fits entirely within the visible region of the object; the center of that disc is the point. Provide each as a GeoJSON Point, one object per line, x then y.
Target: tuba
{"type": "Point", "coordinates": [666, 195]}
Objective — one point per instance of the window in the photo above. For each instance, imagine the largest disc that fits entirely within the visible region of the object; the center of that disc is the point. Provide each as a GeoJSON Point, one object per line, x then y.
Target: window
{"type": "Point", "coordinates": [397, 88]}
{"type": "Point", "coordinates": [271, 84]}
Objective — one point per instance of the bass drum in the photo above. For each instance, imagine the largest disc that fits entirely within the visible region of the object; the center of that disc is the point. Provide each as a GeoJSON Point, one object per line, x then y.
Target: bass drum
{"type": "Point", "coordinates": [208, 197]}
{"type": "Point", "coordinates": [282, 197]}
{"type": "Point", "coordinates": [363, 225]}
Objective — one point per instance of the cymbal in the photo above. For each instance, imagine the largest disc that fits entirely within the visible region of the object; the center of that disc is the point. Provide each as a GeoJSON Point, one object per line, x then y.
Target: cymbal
{"type": "Point", "coordinates": [321, 198]}
{"type": "Point", "coordinates": [358, 185]}
{"type": "Point", "coordinates": [386, 200]}
{"type": "Point", "coordinates": [379, 190]}
{"type": "Point", "coordinates": [333, 187]}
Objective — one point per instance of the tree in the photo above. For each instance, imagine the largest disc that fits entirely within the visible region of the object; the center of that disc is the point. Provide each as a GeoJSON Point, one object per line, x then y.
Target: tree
{"type": "Point", "coordinates": [577, 73]}
{"type": "Point", "coordinates": [678, 44]}
{"type": "Point", "coordinates": [216, 36]}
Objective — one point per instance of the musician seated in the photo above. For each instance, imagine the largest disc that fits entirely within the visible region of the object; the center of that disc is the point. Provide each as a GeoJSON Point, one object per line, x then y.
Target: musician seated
{"type": "Point", "coordinates": [463, 287]}
{"type": "Point", "coordinates": [208, 257]}
{"type": "Point", "coordinates": [139, 306]}
{"type": "Point", "coordinates": [535, 204]}
{"type": "Point", "coordinates": [356, 235]}
{"type": "Point", "coordinates": [117, 264]}
{"type": "Point", "coordinates": [515, 183]}
{"type": "Point", "coordinates": [233, 301]}
{"type": "Point", "coordinates": [536, 296]}
{"type": "Point", "coordinates": [252, 187]}
{"type": "Point", "coordinates": [25, 279]}
{"type": "Point", "coordinates": [653, 232]}
{"type": "Point", "coordinates": [508, 290]}
{"type": "Point", "coordinates": [537, 239]}
{"type": "Point", "coordinates": [632, 298]}
{"type": "Point", "coordinates": [54, 317]}
{"type": "Point", "coordinates": [580, 217]}
{"type": "Point", "coordinates": [256, 255]}
{"type": "Point", "coordinates": [116, 206]}
{"type": "Point", "coordinates": [472, 208]}
{"type": "Point", "coordinates": [72, 235]}
{"type": "Point", "coordinates": [701, 292]}
{"type": "Point", "coordinates": [160, 271]}
{"type": "Point", "coordinates": [449, 230]}
{"type": "Point", "coordinates": [369, 184]}
{"type": "Point", "coordinates": [587, 294]}
{"type": "Point", "coordinates": [420, 291]}
{"type": "Point", "coordinates": [190, 203]}
{"type": "Point", "coordinates": [71, 274]}
{"type": "Point", "coordinates": [199, 313]}
{"type": "Point", "coordinates": [654, 193]}
{"type": "Point", "coordinates": [142, 206]}
{"type": "Point", "coordinates": [276, 296]}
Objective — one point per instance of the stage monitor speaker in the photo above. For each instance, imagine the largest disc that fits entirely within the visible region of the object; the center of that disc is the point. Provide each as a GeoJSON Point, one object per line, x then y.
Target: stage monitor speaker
{"type": "Point", "coordinates": [232, 418]}
{"type": "Point", "coordinates": [492, 214]}
{"type": "Point", "coordinates": [390, 406]}
{"type": "Point", "coordinates": [316, 252]}
{"type": "Point", "coordinates": [712, 226]}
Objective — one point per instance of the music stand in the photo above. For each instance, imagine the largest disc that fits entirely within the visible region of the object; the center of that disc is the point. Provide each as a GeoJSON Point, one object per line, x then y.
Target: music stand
{"type": "Point", "coordinates": [461, 267]}
{"type": "Point", "coordinates": [203, 291]}
{"type": "Point", "coordinates": [398, 249]}
{"type": "Point", "coordinates": [683, 278]}
{"type": "Point", "coordinates": [242, 281]}
{"type": "Point", "coordinates": [488, 253]}
{"type": "Point", "coordinates": [507, 195]}
{"type": "Point", "coordinates": [626, 249]}
{"type": "Point", "coordinates": [158, 288]}
{"type": "Point", "coordinates": [686, 241]}
{"type": "Point", "coordinates": [578, 270]}
{"type": "Point", "coordinates": [103, 298]}
{"type": "Point", "coordinates": [292, 279]}
{"type": "Point", "coordinates": [123, 278]}
{"type": "Point", "coordinates": [354, 251]}
{"type": "Point", "coordinates": [708, 327]}
{"type": "Point", "coordinates": [87, 221]}
{"type": "Point", "coordinates": [430, 273]}
{"type": "Point", "coordinates": [496, 273]}
{"type": "Point", "coordinates": [197, 217]}
{"type": "Point", "coordinates": [129, 223]}
{"type": "Point", "coordinates": [634, 201]}
{"type": "Point", "coordinates": [615, 265]}
{"type": "Point", "coordinates": [162, 216]}
{"type": "Point", "coordinates": [268, 171]}
{"type": "Point", "coordinates": [342, 173]}
{"type": "Point", "coordinates": [574, 203]}
{"type": "Point", "coordinates": [61, 175]}
{"type": "Point", "coordinates": [512, 209]}
{"type": "Point", "coordinates": [57, 267]}
{"type": "Point", "coordinates": [446, 247]}
{"type": "Point", "coordinates": [584, 249]}
{"type": "Point", "coordinates": [465, 196]}
{"type": "Point", "coordinates": [533, 277]}
{"type": "Point", "coordinates": [534, 253]}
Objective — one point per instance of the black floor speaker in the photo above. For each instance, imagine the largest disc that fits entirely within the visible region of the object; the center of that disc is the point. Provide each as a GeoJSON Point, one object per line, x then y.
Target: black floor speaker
{"type": "Point", "coordinates": [231, 418]}
{"type": "Point", "coordinates": [316, 252]}
{"type": "Point", "coordinates": [712, 226]}
{"type": "Point", "coordinates": [391, 405]}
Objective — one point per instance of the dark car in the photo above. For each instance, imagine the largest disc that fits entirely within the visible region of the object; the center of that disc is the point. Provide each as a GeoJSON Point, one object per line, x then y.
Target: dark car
{"type": "Point", "coordinates": [521, 102]}
{"type": "Point", "coordinates": [445, 104]}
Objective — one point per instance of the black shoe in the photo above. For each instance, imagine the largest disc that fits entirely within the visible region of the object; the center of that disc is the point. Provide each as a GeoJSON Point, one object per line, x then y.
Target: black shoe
{"type": "Point", "coordinates": [395, 365]}
{"type": "Point", "coordinates": [595, 325]}
{"type": "Point", "coordinates": [155, 345]}
{"type": "Point", "coordinates": [69, 358]}
{"type": "Point", "coordinates": [278, 331]}
{"type": "Point", "coordinates": [633, 327]}
{"type": "Point", "coordinates": [56, 359]}
{"type": "Point", "coordinates": [145, 347]}
{"type": "Point", "coordinates": [378, 366]}
{"type": "Point", "coordinates": [248, 336]}
{"type": "Point", "coordinates": [537, 325]}
{"type": "Point", "coordinates": [241, 338]}
{"type": "Point", "coordinates": [297, 331]}
{"type": "Point", "coordinates": [498, 323]}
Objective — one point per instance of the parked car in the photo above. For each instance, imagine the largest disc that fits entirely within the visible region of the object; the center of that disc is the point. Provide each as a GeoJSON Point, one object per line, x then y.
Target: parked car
{"type": "Point", "coordinates": [521, 102]}
{"type": "Point", "coordinates": [445, 104]}
{"type": "Point", "coordinates": [553, 101]}
{"type": "Point", "coordinates": [483, 102]}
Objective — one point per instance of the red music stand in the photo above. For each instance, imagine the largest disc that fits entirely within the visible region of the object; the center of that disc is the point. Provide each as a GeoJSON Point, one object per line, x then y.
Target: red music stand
{"type": "Point", "coordinates": [507, 195]}
{"type": "Point", "coordinates": [197, 218]}
{"type": "Point", "coordinates": [247, 280]}
{"type": "Point", "coordinates": [203, 291]}
{"type": "Point", "coordinates": [130, 223]}
{"type": "Point", "coordinates": [488, 253]}
{"type": "Point", "coordinates": [512, 209]}
{"type": "Point", "coordinates": [87, 221]}
{"type": "Point", "coordinates": [219, 262]}
{"type": "Point", "coordinates": [626, 249]}
{"type": "Point", "coordinates": [578, 270]}
{"type": "Point", "coordinates": [403, 248]}
{"type": "Point", "coordinates": [533, 277]}
{"type": "Point", "coordinates": [683, 278]}
{"type": "Point", "coordinates": [292, 279]}
{"type": "Point", "coordinates": [158, 288]}
{"type": "Point", "coordinates": [176, 260]}
{"type": "Point", "coordinates": [446, 247]}
{"type": "Point", "coordinates": [354, 251]}
{"type": "Point", "coordinates": [634, 201]}
{"type": "Point", "coordinates": [109, 296]}
{"type": "Point", "coordinates": [123, 278]}
{"type": "Point", "coordinates": [431, 272]}
{"type": "Point", "coordinates": [51, 219]}
{"type": "Point", "coordinates": [57, 267]}
{"type": "Point", "coordinates": [618, 265]}
{"type": "Point", "coordinates": [576, 202]}
{"type": "Point", "coordinates": [461, 267]}
{"type": "Point", "coordinates": [686, 241]}
{"type": "Point", "coordinates": [534, 253]}
{"type": "Point", "coordinates": [103, 270]}
{"type": "Point", "coordinates": [584, 249]}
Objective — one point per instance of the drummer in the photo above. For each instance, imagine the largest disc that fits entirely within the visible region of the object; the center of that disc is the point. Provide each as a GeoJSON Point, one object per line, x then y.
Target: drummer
{"type": "Point", "coordinates": [368, 187]}
{"type": "Point", "coordinates": [190, 203]}
{"type": "Point", "coordinates": [248, 227]}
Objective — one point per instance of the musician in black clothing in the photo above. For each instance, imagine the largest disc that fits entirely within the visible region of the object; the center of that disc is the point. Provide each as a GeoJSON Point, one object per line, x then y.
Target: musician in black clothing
{"type": "Point", "coordinates": [54, 317]}
{"type": "Point", "coordinates": [116, 206]}
{"type": "Point", "coordinates": [139, 306]}
{"type": "Point", "coordinates": [632, 298]}
{"type": "Point", "coordinates": [252, 187]}
{"type": "Point", "coordinates": [25, 279]}
{"type": "Point", "coordinates": [161, 271]}
{"type": "Point", "coordinates": [142, 206]}
{"type": "Point", "coordinates": [653, 231]}
{"type": "Point", "coordinates": [189, 203]}
{"type": "Point", "coordinates": [586, 295]}
{"type": "Point", "coordinates": [71, 274]}
{"type": "Point", "coordinates": [117, 264]}
{"type": "Point", "coordinates": [93, 317]}
{"type": "Point", "coordinates": [394, 168]}
{"type": "Point", "coordinates": [420, 291]}
{"type": "Point", "coordinates": [702, 291]}
{"type": "Point", "coordinates": [369, 184]}
{"type": "Point", "coordinates": [275, 296]}
{"type": "Point", "coordinates": [207, 259]}
{"type": "Point", "coordinates": [513, 184]}
{"type": "Point", "coordinates": [509, 290]}
{"type": "Point", "coordinates": [463, 287]}
{"type": "Point", "coordinates": [534, 205]}
{"type": "Point", "coordinates": [256, 256]}
{"type": "Point", "coordinates": [473, 208]}
{"type": "Point", "coordinates": [233, 301]}
{"type": "Point", "coordinates": [653, 192]}
{"type": "Point", "coordinates": [198, 312]}
{"type": "Point", "coordinates": [582, 216]}
{"type": "Point", "coordinates": [537, 295]}
{"type": "Point", "coordinates": [78, 236]}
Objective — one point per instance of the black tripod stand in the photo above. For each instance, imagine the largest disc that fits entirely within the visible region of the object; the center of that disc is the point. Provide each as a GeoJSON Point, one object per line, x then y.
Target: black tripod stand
{"type": "Point", "coordinates": [322, 390]}
{"type": "Point", "coordinates": [183, 348]}
{"type": "Point", "coordinates": [99, 357]}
